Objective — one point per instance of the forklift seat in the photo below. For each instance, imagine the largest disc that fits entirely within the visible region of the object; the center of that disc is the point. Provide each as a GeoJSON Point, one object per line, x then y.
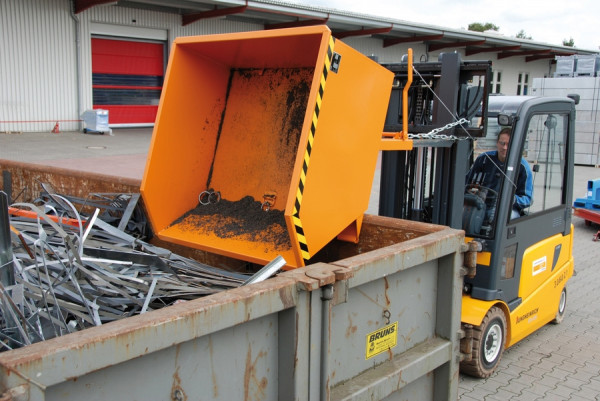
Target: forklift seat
{"type": "Point", "coordinates": [473, 213]}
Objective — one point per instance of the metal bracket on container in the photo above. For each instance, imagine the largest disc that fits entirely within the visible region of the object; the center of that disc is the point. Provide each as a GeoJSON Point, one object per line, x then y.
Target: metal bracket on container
{"type": "Point", "coordinates": [466, 342]}
{"type": "Point", "coordinates": [269, 199]}
{"type": "Point", "coordinates": [470, 258]}
{"type": "Point", "coordinates": [340, 292]}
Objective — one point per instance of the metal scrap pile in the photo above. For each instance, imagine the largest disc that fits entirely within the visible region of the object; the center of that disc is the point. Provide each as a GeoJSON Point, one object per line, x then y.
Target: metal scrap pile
{"type": "Point", "coordinates": [62, 274]}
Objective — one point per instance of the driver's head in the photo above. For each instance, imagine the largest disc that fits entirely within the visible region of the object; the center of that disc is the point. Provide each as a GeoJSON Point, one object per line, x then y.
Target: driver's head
{"type": "Point", "coordinates": [502, 143]}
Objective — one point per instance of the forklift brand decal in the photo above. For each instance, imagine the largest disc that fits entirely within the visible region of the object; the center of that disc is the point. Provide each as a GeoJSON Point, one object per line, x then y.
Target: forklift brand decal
{"type": "Point", "coordinates": [539, 266]}
{"type": "Point", "coordinates": [381, 340]}
{"type": "Point", "coordinates": [311, 137]}
{"type": "Point", "coordinates": [528, 315]}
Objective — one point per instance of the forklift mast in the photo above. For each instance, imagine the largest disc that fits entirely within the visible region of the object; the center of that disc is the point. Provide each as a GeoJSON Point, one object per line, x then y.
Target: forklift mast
{"type": "Point", "coordinates": [426, 183]}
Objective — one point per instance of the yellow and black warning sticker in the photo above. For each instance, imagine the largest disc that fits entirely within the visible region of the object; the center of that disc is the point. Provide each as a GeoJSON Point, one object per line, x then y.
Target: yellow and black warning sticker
{"type": "Point", "coordinates": [381, 340]}
{"type": "Point", "coordinates": [313, 128]}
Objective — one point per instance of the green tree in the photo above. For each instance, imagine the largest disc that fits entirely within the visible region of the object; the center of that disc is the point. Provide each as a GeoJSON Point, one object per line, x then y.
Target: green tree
{"type": "Point", "coordinates": [479, 27]}
{"type": "Point", "coordinates": [570, 42]}
{"type": "Point", "coordinates": [523, 35]}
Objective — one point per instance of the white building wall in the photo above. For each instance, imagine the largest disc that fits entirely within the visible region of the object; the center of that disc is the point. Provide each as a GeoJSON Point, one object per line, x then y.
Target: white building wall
{"type": "Point", "coordinates": [513, 66]}
{"type": "Point", "coordinates": [45, 56]}
{"type": "Point", "coordinates": [38, 77]}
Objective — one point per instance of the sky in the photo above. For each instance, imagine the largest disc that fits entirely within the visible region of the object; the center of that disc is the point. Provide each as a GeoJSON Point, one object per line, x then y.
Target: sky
{"type": "Point", "coordinates": [547, 21]}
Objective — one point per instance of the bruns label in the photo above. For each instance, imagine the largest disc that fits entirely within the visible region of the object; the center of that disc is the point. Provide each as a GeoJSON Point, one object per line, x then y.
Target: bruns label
{"type": "Point", "coordinates": [381, 340]}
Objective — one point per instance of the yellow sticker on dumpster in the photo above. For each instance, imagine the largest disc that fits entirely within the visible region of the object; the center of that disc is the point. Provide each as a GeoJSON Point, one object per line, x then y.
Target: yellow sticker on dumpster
{"type": "Point", "coordinates": [381, 340]}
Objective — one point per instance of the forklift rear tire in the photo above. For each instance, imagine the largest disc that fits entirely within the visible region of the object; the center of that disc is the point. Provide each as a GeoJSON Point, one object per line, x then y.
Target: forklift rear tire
{"type": "Point", "coordinates": [488, 345]}
{"type": "Point", "coordinates": [562, 305]}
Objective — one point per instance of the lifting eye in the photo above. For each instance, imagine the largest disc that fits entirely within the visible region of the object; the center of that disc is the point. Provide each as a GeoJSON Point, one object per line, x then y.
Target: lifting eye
{"type": "Point", "coordinates": [269, 199]}
{"type": "Point", "coordinates": [209, 196]}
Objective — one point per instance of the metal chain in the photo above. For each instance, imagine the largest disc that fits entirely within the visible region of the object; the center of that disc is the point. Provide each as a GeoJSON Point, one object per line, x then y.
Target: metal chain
{"type": "Point", "coordinates": [434, 134]}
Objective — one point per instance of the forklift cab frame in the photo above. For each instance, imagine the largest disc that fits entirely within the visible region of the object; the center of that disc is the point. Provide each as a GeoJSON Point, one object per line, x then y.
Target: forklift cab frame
{"type": "Point", "coordinates": [541, 134]}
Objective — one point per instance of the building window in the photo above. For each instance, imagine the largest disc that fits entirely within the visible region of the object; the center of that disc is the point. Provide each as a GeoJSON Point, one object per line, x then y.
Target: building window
{"type": "Point", "coordinates": [523, 83]}
{"type": "Point", "coordinates": [496, 83]}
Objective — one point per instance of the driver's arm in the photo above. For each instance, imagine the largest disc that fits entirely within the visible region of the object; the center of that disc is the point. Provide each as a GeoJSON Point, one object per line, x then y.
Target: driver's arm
{"type": "Point", "coordinates": [524, 192]}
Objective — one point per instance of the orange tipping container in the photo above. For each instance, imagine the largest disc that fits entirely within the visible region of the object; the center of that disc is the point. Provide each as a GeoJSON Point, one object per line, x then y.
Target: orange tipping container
{"type": "Point", "coordinates": [265, 143]}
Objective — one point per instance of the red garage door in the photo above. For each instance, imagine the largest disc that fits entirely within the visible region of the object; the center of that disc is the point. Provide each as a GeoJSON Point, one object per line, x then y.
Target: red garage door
{"type": "Point", "coordinates": [127, 78]}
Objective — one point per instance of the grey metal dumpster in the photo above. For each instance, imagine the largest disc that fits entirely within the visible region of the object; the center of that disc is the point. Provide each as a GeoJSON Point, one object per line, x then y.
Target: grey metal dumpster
{"type": "Point", "coordinates": [379, 321]}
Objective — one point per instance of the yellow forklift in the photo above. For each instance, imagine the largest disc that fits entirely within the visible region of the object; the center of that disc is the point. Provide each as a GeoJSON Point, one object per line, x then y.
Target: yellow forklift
{"type": "Point", "coordinates": [521, 262]}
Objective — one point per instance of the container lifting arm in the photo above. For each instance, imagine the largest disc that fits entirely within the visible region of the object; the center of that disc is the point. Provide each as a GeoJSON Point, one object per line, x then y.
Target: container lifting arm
{"type": "Point", "coordinates": [399, 140]}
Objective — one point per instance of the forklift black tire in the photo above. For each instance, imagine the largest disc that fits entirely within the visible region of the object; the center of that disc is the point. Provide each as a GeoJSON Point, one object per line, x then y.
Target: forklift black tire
{"type": "Point", "coordinates": [562, 306]}
{"type": "Point", "coordinates": [488, 345]}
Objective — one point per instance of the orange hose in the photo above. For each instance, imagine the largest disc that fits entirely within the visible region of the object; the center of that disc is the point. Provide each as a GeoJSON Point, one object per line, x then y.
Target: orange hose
{"type": "Point", "coordinates": [33, 215]}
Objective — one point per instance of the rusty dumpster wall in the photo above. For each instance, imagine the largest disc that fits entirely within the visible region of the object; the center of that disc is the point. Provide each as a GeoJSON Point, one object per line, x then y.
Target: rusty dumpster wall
{"type": "Point", "coordinates": [25, 179]}
{"type": "Point", "coordinates": [302, 335]}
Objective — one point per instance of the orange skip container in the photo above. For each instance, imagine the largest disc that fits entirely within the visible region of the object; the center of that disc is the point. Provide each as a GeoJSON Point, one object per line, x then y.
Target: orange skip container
{"type": "Point", "coordinates": [265, 143]}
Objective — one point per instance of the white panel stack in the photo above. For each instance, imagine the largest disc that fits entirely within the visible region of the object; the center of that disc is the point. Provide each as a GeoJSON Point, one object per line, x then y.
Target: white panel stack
{"type": "Point", "coordinates": [587, 125]}
{"type": "Point", "coordinates": [587, 66]}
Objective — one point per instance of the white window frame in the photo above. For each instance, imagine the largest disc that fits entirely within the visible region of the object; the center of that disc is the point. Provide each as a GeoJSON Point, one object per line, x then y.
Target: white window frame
{"type": "Point", "coordinates": [523, 83]}
{"type": "Point", "coordinates": [496, 83]}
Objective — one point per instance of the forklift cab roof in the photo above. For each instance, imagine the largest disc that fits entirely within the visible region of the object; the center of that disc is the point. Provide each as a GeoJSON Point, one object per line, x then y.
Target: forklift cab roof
{"type": "Point", "coordinates": [505, 104]}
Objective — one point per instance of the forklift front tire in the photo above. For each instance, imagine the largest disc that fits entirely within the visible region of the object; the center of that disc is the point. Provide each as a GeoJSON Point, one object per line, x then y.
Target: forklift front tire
{"type": "Point", "coordinates": [488, 345]}
{"type": "Point", "coordinates": [562, 305]}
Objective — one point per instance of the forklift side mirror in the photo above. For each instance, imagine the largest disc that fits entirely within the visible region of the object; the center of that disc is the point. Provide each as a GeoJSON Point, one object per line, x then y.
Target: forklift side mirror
{"type": "Point", "coordinates": [575, 97]}
{"type": "Point", "coordinates": [550, 122]}
{"type": "Point", "coordinates": [505, 120]}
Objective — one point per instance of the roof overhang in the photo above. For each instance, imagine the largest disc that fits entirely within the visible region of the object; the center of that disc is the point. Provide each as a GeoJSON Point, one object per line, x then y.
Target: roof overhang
{"type": "Point", "coordinates": [273, 14]}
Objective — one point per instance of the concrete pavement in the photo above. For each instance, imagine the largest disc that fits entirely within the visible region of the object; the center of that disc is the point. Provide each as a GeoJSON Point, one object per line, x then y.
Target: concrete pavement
{"type": "Point", "coordinates": [123, 153]}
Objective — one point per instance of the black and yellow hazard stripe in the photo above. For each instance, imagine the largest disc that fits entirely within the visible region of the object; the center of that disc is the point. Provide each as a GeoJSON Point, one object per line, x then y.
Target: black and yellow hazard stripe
{"type": "Point", "coordinates": [311, 137]}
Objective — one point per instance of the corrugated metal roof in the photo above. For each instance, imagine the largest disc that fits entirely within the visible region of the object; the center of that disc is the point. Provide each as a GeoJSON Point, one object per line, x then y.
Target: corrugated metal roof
{"type": "Point", "coordinates": [273, 13]}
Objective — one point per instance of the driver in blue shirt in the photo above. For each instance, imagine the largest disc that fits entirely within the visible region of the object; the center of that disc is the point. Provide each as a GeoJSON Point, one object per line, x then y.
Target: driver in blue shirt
{"type": "Point", "coordinates": [489, 168]}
